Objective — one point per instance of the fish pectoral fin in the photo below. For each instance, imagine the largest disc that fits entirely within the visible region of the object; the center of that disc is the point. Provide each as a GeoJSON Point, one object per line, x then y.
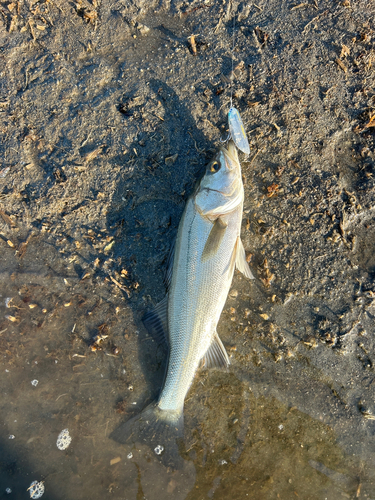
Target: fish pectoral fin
{"type": "Point", "coordinates": [241, 263]}
{"type": "Point", "coordinates": [214, 239]}
{"type": "Point", "coordinates": [216, 355]}
{"type": "Point", "coordinates": [156, 321]}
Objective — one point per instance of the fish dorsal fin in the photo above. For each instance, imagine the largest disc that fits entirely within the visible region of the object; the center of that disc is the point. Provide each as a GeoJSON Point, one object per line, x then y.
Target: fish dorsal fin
{"type": "Point", "coordinates": [169, 268]}
{"type": "Point", "coordinates": [241, 263]}
{"type": "Point", "coordinates": [214, 239]}
{"type": "Point", "coordinates": [216, 355]}
{"type": "Point", "coordinates": [156, 321]}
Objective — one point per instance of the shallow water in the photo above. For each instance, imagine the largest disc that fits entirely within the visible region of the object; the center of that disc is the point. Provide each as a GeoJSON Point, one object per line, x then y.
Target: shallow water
{"type": "Point", "coordinates": [91, 120]}
{"type": "Point", "coordinates": [261, 430]}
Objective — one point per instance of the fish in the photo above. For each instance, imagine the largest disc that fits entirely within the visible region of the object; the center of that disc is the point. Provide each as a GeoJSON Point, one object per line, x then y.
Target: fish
{"type": "Point", "coordinates": [199, 274]}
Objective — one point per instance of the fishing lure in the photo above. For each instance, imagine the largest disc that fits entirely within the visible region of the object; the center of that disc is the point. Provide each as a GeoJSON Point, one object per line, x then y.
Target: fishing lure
{"type": "Point", "coordinates": [237, 130]}
{"type": "Point", "coordinates": [236, 126]}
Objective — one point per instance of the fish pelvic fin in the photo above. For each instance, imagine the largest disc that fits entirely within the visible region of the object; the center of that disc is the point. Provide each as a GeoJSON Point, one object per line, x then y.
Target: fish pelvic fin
{"type": "Point", "coordinates": [158, 429]}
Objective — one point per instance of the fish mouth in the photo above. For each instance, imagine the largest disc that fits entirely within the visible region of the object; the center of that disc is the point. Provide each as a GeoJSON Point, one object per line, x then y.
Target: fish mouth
{"type": "Point", "coordinates": [215, 190]}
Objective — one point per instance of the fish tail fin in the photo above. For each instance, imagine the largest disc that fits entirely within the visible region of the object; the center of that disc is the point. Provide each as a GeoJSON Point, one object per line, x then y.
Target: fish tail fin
{"type": "Point", "coordinates": [158, 429]}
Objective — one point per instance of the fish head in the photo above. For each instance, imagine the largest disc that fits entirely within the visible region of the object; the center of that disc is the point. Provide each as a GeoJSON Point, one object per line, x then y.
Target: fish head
{"type": "Point", "coordinates": [221, 190]}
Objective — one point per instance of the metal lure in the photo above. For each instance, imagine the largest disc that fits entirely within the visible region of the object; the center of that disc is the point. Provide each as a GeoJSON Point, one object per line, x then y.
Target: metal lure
{"type": "Point", "coordinates": [237, 131]}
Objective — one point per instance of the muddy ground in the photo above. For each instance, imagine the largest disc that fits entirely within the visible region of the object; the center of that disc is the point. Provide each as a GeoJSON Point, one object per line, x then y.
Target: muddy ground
{"type": "Point", "coordinates": [108, 116]}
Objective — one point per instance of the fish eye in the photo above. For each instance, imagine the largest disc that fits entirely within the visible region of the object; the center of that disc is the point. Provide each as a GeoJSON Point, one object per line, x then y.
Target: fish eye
{"type": "Point", "coordinates": [215, 167]}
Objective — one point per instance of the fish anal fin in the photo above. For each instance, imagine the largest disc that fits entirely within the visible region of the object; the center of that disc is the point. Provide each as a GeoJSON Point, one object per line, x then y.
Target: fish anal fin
{"type": "Point", "coordinates": [216, 355]}
{"type": "Point", "coordinates": [156, 321]}
{"type": "Point", "coordinates": [241, 263]}
{"type": "Point", "coordinates": [214, 239]}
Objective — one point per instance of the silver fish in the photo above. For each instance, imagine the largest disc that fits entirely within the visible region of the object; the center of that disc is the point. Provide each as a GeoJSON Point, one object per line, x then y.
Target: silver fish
{"type": "Point", "coordinates": [208, 248]}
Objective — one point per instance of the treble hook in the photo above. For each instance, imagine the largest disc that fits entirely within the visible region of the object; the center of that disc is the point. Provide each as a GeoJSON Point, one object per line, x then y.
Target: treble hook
{"type": "Point", "coordinates": [223, 141]}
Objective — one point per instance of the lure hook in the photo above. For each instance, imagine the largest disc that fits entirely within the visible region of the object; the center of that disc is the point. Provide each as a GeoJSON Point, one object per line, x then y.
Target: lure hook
{"type": "Point", "coordinates": [223, 141]}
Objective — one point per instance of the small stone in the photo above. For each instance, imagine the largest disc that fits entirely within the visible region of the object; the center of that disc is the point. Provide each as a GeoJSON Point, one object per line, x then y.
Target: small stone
{"type": "Point", "coordinates": [108, 247]}
{"type": "Point", "coordinates": [143, 29]}
{"type": "Point", "coordinates": [13, 319]}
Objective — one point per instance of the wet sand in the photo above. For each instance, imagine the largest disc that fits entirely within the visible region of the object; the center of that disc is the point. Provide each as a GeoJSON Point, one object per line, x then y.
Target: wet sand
{"type": "Point", "coordinates": [97, 99]}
